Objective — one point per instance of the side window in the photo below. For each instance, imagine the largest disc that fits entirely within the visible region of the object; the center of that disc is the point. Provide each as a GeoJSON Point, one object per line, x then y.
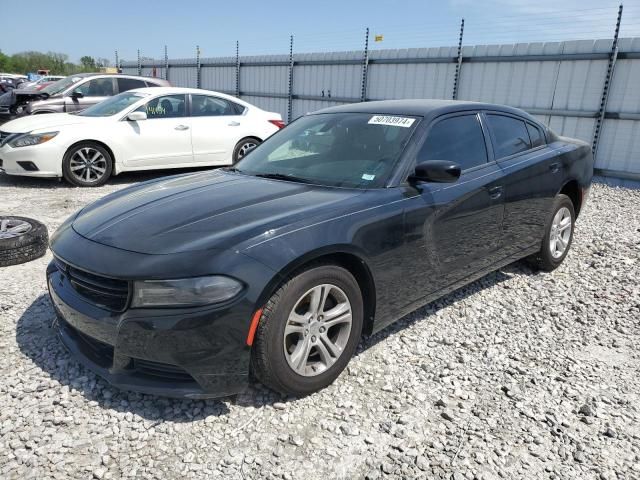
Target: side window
{"type": "Point", "coordinates": [125, 84]}
{"type": "Point", "coordinates": [457, 139]}
{"type": "Point", "coordinates": [535, 134]}
{"type": "Point", "coordinates": [169, 106]}
{"type": "Point", "coordinates": [98, 87]}
{"type": "Point", "coordinates": [510, 134]}
{"type": "Point", "coordinates": [208, 106]}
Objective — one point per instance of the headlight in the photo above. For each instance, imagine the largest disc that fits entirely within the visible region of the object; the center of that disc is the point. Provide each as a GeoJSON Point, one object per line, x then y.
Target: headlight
{"type": "Point", "coordinates": [184, 292]}
{"type": "Point", "coordinates": [29, 139]}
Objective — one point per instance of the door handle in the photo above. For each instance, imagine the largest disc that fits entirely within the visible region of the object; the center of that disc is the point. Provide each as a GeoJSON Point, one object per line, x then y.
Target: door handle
{"type": "Point", "coordinates": [554, 167]}
{"type": "Point", "coordinates": [182, 127]}
{"type": "Point", "coordinates": [495, 192]}
{"type": "Point", "coordinates": [234, 124]}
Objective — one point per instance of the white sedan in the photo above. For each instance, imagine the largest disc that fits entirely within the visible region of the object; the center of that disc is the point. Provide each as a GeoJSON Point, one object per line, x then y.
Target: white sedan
{"type": "Point", "coordinates": [143, 129]}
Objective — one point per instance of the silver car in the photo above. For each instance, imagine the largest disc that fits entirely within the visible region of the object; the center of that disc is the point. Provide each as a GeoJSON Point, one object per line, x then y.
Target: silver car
{"type": "Point", "coordinates": [71, 94]}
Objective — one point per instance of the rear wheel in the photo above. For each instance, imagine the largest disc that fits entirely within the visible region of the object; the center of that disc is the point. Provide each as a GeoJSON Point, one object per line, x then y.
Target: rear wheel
{"type": "Point", "coordinates": [309, 330]}
{"type": "Point", "coordinates": [87, 164]}
{"type": "Point", "coordinates": [243, 147]}
{"type": "Point", "coordinates": [558, 235]}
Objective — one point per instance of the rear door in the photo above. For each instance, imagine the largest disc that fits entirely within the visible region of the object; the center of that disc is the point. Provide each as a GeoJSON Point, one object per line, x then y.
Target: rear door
{"type": "Point", "coordinates": [163, 140]}
{"type": "Point", "coordinates": [532, 176]}
{"type": "Point", "coordinates": [92, 91]}
{"type": "Point", "coordinates": [461, 222]}
{"type": "Point", "coordinates": [217, 126]}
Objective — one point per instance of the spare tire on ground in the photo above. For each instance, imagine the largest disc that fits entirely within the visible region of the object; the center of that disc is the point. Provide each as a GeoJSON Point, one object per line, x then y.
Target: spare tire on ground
{"type": "Point", "coordinates": [21, 240]}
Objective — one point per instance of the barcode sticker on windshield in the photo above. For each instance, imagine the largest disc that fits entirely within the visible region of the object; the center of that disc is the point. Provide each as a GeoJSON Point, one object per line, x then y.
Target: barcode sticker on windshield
{"type": "Point", "coordinates": [405, 122]}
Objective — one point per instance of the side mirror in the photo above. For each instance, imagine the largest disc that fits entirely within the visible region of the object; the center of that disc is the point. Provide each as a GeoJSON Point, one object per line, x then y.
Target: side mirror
{"type": "Point", "coordinates": [137, 116]}
{"type": "Point", "coordinates": [76, 94]}
{"type": "Point", "coordinates": [441, 171]}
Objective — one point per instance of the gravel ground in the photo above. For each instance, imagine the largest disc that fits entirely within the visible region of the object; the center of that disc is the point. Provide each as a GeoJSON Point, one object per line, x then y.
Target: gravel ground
{"type": "Point", "coordinates": [519, 375]}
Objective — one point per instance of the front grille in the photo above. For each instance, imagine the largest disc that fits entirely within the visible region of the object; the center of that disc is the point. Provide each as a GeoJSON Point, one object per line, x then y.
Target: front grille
{"type": "Point", "coordinates": [102, 291]}
{"type": "Point", "coordinates": [99, 352]}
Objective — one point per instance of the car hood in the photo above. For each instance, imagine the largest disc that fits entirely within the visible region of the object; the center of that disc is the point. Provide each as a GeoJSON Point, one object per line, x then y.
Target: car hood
{"type": "Point", "coordinates": [21, 96]}
{"type": "Point", "coordinates": [202, 211]}
{"type": "Point", "coordinates": [43, 122]}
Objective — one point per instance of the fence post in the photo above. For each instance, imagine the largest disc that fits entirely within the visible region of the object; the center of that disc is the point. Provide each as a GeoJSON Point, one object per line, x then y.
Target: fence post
{"type": "Point", "coordinates": [290, 100]}
{"type": "Point", "coordinates": [456, 78]}
{"type": "Point", "coordinates": [237, 69]}
{"type": "Point", "coordinates": [139, 64]}
{"type": "Point", "coordinates": [613, 56]}
{"type": "Point", "coordinates": [197, 66]}
{"type": "Point", "coordinates": [117, 64]}
{"type": "Point", "coordinates": [365, 67]}
{"type": "Point", "coordinates": [166, 64]}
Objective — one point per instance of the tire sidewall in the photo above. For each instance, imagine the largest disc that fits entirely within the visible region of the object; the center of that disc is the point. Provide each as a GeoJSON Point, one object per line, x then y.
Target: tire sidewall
{"type": "Point", "coordinates": [66, 165]}
{"type": "Point", "coordinates": [559, 202]}
{"type": "Point", "coordinates": [284, 374]}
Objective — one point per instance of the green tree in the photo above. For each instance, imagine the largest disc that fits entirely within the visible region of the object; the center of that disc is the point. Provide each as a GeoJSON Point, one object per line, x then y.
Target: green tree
{"type": "Point", "coordinates": [88, 63]}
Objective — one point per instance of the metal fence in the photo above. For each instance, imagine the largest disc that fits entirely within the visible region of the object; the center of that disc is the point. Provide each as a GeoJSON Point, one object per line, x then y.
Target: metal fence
{"type": "Point", "coordinates": [587, 89]}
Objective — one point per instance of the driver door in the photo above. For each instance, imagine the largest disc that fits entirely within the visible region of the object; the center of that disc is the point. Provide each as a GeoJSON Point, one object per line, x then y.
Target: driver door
{"type": "Point", "coordinates": [161, 141]}
{"type": "Point", "coordinates": [88, 93]}
{"type": "Point", "coordinates": [459, 225]}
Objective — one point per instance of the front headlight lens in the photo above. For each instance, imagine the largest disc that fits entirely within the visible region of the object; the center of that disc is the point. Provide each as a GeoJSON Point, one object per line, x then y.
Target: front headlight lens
{"type": "Point", "coordinates": [30, 139]}
{"type": "Point", "coordinates": [184, 292]}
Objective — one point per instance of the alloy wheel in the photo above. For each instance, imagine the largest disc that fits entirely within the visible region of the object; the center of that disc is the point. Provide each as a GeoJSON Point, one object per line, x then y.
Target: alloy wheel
{"type": "Point", "coordinates": [88, 165]}
{"type": "Point", "coordinates": [560, 233]}
{"type": "Point", "coordinates": [317, 330]}
{"type": "Point", "coordinates": [13, 227]}
{"type": "Point", "coordinates": [246, 148]}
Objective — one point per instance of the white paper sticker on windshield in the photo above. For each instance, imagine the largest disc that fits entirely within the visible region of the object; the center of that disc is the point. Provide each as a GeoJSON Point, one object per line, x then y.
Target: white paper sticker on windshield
{"type": "Point", "coordinates": [368, 176]}
{"type": "Point", "coordinates": [391, 120]}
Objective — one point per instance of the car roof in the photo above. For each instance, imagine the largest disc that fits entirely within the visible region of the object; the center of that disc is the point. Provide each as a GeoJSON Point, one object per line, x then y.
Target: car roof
{"type": "Point", "coordinates": [421, 107]}
{"type": "Point", "coordinates": [185, 90]}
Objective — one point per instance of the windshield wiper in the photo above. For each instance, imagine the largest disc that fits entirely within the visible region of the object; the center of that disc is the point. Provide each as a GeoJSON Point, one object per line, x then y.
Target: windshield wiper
{"type": "Point", "coordinates": [284, 176]}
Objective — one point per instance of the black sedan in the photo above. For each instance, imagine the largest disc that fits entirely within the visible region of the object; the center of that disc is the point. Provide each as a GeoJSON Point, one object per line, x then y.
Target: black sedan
{"type": "Point", "coordinates": [334, 227]}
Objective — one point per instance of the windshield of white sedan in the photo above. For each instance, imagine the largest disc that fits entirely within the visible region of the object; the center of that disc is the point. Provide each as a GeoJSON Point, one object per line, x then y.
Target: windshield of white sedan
{"type": "Point", "coordinates": [356, 150]}
{"type": "Point", "coordinates": [112, 105]}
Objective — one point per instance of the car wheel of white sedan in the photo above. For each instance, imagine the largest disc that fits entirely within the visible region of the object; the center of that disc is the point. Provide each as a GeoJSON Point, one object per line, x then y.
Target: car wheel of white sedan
{"type": "Point", "coordinates": [87, 164]}
{"type": "Point", "coordinates": [243, 147]}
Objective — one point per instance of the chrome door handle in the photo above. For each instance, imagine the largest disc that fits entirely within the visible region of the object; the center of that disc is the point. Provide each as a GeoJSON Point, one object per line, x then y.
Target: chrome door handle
{"type": "Point", "coordinates": [182, 127]}
{"type": "Point", "coordinates": [234, 124]}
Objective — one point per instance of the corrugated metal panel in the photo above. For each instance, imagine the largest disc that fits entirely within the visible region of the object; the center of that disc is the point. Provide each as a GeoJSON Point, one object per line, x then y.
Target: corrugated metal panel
{"type": "Point", "coordinates": [277, 105]}
{"type": "Point", "coordinates": [619, 147]}
{"type": "Point", "coordinates": [411, 80]}
{"type": "Point", "coordinates": [341, 80]}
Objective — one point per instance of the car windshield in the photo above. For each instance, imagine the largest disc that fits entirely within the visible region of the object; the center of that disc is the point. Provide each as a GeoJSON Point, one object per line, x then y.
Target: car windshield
{"type": "Point", "coordinates": [61, 85]}
{"type": "Point", "coordinates": [113, 105]}
{"type": "Point", "coordinates": [355, 150]}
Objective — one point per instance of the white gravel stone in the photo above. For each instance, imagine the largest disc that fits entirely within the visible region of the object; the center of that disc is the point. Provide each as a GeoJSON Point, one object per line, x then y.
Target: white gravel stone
{"type": "Point", "coordinates": [513, 359]}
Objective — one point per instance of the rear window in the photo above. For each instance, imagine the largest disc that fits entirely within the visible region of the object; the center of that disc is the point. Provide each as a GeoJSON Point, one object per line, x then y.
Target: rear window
{"type": "Point", "coordinates": [510, 134]}
{"type": "Point", "coordinates": [125, 84]}
{"type": "Point", "coordinates": [536, 136]}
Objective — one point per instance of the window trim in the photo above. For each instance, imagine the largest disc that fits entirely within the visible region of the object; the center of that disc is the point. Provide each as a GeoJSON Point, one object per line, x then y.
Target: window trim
{"type": "Point", "coordinates": [486, 113]}
{"type": "Point", "coordinates": [460, 113]}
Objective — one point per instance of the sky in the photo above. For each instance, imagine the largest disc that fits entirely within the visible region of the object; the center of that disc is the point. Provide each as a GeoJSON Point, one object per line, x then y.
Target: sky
{"type": "Point", "coordinates": [100, 28]}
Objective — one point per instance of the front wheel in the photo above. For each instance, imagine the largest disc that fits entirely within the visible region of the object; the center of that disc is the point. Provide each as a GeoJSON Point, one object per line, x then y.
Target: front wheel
{"type": "Point", "coordinates": [309, 331]}
{"type": "Point", "coordinates": [87, 164]}
{"type": "Point", "coordinates": [558, 235]}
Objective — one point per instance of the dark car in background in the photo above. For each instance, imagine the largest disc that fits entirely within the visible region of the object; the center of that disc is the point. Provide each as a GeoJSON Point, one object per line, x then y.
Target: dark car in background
{"type": "Point", "coordinates": [71, 94]}
{"type": "Point", "coordinates": [337, 225]}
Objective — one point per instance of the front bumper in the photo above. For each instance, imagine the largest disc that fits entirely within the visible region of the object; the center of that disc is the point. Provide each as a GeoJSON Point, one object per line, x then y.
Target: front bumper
{"type": "Point", "coordinates": [184, 353]}
{"type": "Point", "coordinates": [46, 157]}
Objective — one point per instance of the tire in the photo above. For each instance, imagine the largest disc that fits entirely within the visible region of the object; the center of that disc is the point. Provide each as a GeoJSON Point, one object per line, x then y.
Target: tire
{"type": "Point", "coordinates": [243, 147]}
{"type": "Point", "coordinates": [271, 363]}
{"type": "Point", "coordinates": [546, 259]}
{"type": "Point", "coordinates": [21, 240]}
{"type": "Point", "coordinates": [79, 156]}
